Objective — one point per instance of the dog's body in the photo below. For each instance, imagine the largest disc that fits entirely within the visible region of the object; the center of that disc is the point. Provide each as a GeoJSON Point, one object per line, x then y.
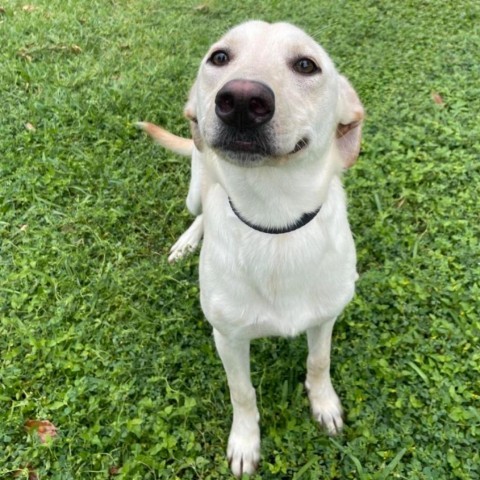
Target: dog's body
{"type": "Point", "coordinates": [274, 124]}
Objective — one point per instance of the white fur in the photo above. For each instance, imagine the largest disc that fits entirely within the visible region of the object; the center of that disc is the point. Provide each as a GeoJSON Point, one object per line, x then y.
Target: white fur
{"type": "Point", "coordinates": [255, 284]}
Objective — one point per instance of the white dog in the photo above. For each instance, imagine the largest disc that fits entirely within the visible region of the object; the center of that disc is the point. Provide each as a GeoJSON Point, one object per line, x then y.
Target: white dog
{"type": "Point", "coordinates": [274, 124]}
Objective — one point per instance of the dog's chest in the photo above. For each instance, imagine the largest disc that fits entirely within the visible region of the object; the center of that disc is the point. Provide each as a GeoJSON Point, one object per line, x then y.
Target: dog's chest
{"type": "Point", "coordinates": [266, 284]}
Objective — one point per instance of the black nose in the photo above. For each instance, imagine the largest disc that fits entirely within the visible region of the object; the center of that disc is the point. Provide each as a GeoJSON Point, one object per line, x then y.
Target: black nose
{"type": "Point", "coordinates": [245, 104]}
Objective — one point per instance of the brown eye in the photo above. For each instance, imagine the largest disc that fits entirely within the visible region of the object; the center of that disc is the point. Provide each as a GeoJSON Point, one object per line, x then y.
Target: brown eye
{"type": "Point", "coordinates": [306, 66]}
{"type": "Point", "coordinates": [219, 58]}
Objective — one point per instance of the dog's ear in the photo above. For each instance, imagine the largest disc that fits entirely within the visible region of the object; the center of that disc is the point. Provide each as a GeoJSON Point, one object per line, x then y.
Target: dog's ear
{"type": "Point", "coordinates": [350, 118]}
{"type": "Point", "coordinates": [190, 112]}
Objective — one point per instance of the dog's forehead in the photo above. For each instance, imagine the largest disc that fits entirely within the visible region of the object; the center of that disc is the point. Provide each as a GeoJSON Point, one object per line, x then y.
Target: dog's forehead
{"type": "Point", "coordinates": [271, 37]}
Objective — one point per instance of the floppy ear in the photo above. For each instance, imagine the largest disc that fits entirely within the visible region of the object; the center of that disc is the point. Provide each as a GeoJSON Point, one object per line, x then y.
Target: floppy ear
{"type": "Point", "coordinates": [190, 112]}
{"type": "Point", "coordinates": [350, 118]}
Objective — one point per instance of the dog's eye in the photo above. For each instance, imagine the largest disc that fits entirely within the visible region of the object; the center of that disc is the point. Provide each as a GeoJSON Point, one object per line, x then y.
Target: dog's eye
{"type": "Point", "coordinates": [219, 58]}
{"type": "Point", "coordinates": [306, 66]}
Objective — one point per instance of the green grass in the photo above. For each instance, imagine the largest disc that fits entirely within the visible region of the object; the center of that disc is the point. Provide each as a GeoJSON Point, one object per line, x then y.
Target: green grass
{"type": "Point", "coordinates": [101, 336]}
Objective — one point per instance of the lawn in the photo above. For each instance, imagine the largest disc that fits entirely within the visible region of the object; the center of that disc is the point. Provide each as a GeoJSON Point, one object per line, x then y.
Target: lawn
{"type": "Point", "coordinates": [105, 340]}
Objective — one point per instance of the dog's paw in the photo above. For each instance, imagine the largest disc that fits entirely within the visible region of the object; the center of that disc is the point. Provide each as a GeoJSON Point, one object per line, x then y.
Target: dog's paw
{"type": "Point", "coordinates": [188, 241]}
{"type": "Point", "coordinates": [244, 452]}
{"type": "Point", "coordinates": [326, 409]}
{"type": "Point", "coordinates": [180, 250]}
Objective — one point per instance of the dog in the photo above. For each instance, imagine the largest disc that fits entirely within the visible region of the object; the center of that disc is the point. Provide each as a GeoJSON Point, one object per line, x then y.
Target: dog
{"type": "Point", "coordinates": [273, 125]}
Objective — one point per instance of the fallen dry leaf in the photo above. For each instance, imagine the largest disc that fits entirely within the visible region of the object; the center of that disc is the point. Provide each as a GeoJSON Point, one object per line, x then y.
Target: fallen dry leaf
{"type": "Point", "coordinates": [113, 471]}
{"type": "Point", "coordinates": [30, 127]}
{"type": "Point", "coordinates": [437, 98]}
{"type": "Point", "coordinates": [32, 474]}
{"type": "Point", "coordinates": [44, 429]}
{"type": "Point", "coordinates": [29, 8]}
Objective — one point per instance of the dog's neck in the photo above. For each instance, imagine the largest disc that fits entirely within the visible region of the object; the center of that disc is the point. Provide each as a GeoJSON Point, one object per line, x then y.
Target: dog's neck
{"type": "Point", "coordinates": [275, 197]}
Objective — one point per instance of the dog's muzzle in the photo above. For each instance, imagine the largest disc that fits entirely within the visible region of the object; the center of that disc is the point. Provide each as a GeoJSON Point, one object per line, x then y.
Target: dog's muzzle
{"type": "Point", "coordinates": [245, 108]}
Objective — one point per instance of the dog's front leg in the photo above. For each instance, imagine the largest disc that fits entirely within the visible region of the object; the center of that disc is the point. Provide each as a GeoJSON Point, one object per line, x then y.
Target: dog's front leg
{"type": "Point", "coordinates": [326, 406]}
{"type": "Point", "coordinates": [244, 442]}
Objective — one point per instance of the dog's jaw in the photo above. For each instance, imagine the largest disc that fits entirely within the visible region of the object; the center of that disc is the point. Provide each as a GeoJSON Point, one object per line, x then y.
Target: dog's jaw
{"type": "Point", "coordinates": [246, 147]}
{"type": "Point", "coordinates": [253, 148]}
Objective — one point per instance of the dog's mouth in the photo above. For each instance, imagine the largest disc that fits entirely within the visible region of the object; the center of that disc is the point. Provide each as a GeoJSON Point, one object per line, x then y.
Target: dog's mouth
{"type": "Point", "coordinates": [301, 145]}
{"type": "Point", "coordinates": [254, 146]}
{"type": "Point", "coordinates": [245, 146]}
{"type": "Point", "coordinates": [261, 149]}
{"type": "Point", "coordinates": [254, 142]}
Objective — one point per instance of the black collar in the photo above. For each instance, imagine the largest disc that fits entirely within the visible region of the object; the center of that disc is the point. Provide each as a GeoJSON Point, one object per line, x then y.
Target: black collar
{"type": "Point", "coordinates": [299, 223]}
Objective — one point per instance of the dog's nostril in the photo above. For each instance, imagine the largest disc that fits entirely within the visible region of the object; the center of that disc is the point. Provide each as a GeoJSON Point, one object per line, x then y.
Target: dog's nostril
{"type": "Point", "coordinates": [259, 107]}
{"type": "Point", "coordinates": [225, 103]}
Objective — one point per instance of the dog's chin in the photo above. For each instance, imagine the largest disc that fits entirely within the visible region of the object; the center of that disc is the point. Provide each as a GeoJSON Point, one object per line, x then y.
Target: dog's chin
{"type": "Point", "coordinates": [250, 154]}
{"type": "Point", "coordinates": [243, 155]}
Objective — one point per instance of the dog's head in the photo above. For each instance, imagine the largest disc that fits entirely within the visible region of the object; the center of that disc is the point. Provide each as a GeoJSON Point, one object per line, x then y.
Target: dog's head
{"type": "Point", "coordinates": [269, 93]}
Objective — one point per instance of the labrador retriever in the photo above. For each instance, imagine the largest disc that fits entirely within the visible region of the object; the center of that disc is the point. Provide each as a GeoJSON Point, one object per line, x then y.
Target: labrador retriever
{"type": "Point", "coordinates": [273, 126]}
